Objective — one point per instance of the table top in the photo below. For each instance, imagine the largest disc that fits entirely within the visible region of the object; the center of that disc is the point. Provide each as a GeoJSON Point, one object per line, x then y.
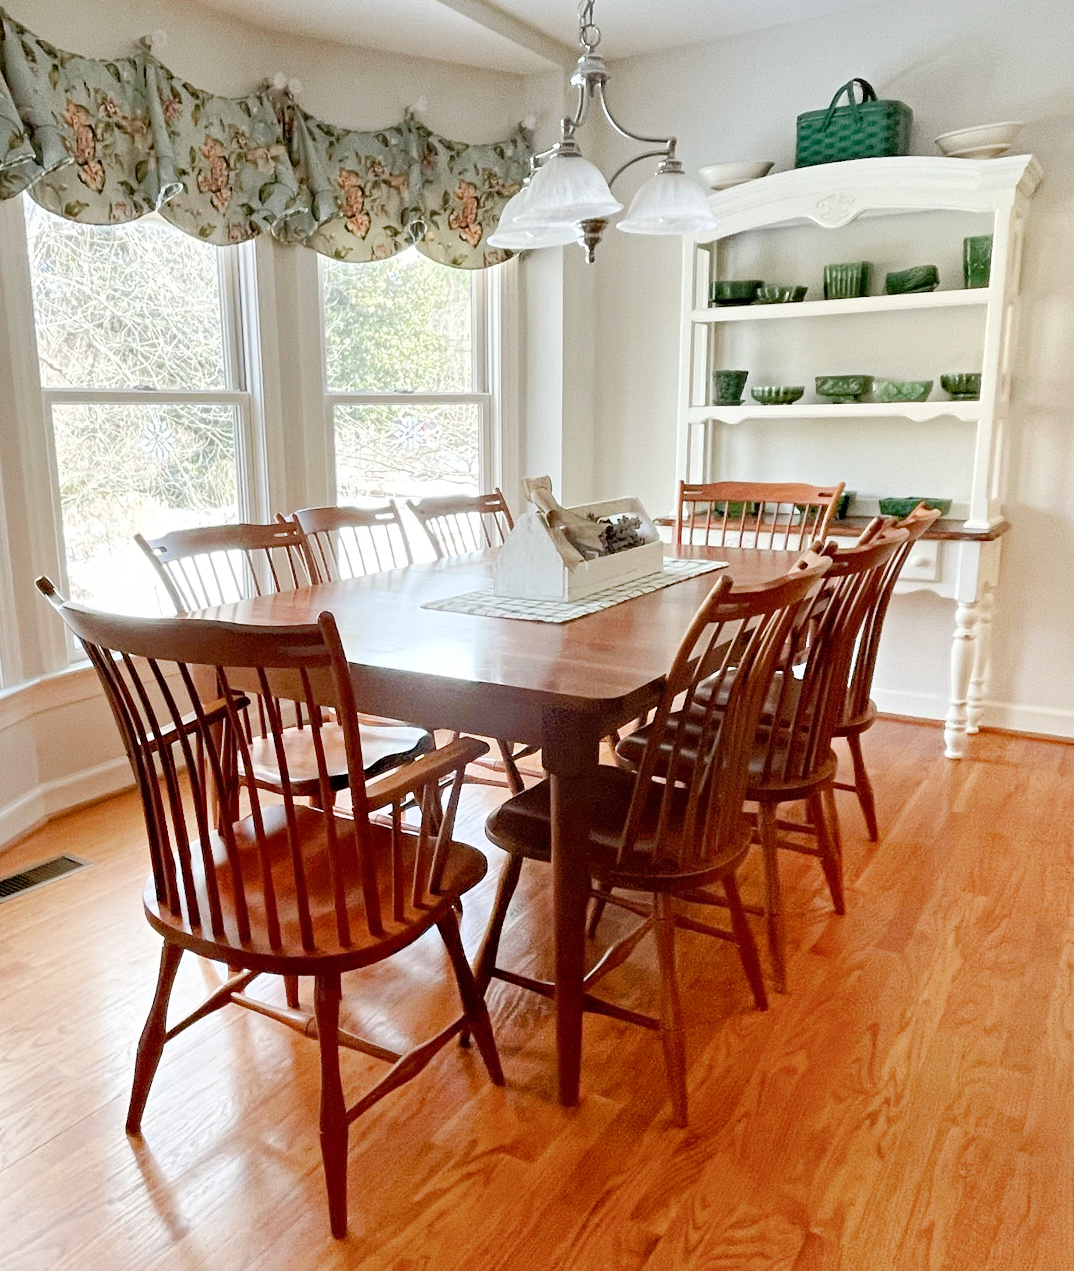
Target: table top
{"type": "Point", "coordinates": [477, 674]}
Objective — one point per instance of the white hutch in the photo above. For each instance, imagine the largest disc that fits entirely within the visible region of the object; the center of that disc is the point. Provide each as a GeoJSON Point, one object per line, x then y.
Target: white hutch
{"type": "Point", "coordinates": [893, 213]}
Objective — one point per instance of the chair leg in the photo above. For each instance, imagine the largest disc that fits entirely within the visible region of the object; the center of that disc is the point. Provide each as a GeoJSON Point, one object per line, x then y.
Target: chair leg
{"type": "Point", "coordinates": [863, 787]}
{"type": "Point", "coordinates": [671, 1026]}
{"type": "Point", "coordinates": [514, 778]}
{"type": "Point", "coordinates": [290, 985]}
{"type": "Point", "coordinates": [822, 804]}
{"type": "Point", "coordinates": [333, 1118]}
{"type": "Point", "coordinates": [151, 1042]}
{"type": "Point", "coordinates": [773, 900]}
{"type": "Point", "coordinates": [596, 912]}
{"type": "Point", "coordinates": [473, 1003]}
{"type": "Point", "coordinates": [490, 942]}
{"type": "Point", "coordinates": [747, 946]}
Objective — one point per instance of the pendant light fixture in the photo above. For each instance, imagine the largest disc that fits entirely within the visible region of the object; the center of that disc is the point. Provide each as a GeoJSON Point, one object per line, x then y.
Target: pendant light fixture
{"type": "Point", "coordinates": [567, 199]}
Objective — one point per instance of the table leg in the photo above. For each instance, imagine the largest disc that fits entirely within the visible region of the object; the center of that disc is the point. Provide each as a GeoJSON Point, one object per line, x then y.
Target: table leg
{"type": "Point", "coordinates": [570, 751]}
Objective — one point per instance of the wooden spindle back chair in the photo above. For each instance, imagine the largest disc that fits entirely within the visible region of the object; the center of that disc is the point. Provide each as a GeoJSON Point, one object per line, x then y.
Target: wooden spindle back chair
{"type": "Point", "coordinates": [219, 564]}
{"type": "Point", "coordinates": [677, 825]}
{"type": "Point", "coordinates": [455, 524]}
{"type": "Point", "coordinates": [787, 515]}
{"type": "Point", "coordinates": [859, 711]}
{"type": "Point", "coordinates": [348, 542]}
{"type": "Point", "coordinates": [286, 889]}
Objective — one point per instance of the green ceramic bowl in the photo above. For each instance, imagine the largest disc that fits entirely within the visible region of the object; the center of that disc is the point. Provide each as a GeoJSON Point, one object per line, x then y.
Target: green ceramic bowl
{"type": "Point", "coordinates": [771, 295]}
{"type": "Point", "coordinates": [842, 508]}
{"type": "Point", "coordinates": [908, 281]}
{"type": "Point", "coordinates": [903, 507]}
{"type": "Point", "coordinates": [734, 291]}
{"type": "Point", "coordinates": [963, 387]}
{"type": "Point", "coordinates": [903, 390]}
{"type": "Point", "coordinates": [776, 394]}
{"type": "Point", "coordinates": [844, 282]}
{"type": "Point", "coordinates": [844, 388]}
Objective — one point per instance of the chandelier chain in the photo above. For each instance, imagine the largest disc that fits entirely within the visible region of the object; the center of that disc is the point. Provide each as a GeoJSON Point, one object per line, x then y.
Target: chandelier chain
{"type": "Point", "coordinates": [588, 31]}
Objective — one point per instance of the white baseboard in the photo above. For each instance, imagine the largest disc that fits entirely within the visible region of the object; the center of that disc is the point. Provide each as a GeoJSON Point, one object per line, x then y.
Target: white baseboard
{"type": "Point", "coordinates": [49, 799]}
{"type": "Point", "coordinates": [1046, 721]}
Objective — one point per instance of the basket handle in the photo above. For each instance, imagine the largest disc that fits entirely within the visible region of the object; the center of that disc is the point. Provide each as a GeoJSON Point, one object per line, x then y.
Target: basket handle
{"type": "Point", "coordinates": [868, 94]}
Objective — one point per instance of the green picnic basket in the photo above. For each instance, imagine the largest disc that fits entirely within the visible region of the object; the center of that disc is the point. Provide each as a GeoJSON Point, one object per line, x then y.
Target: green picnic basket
{"type": "Point", "coordinates": [862, 129]}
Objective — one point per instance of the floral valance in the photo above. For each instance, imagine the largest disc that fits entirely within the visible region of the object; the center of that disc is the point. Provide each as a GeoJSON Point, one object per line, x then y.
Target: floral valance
{"type": "Point", "coordinates": [105, 142]}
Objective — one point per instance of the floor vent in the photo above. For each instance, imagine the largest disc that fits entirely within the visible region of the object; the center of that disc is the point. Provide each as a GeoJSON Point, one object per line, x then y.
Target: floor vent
{"type": "Point", "coordinates": [39, 875]}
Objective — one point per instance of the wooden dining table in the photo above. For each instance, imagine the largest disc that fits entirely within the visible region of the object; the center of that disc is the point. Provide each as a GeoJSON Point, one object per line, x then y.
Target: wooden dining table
{"type": "Point", "coordinates": [560, 686]}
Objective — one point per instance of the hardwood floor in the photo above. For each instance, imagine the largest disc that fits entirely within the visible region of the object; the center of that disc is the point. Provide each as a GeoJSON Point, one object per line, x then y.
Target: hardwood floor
{"type": "Point", "coordinates": [908, 1105]}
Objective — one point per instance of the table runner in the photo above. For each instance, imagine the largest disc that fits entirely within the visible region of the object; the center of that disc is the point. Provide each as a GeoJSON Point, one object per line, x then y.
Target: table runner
{"type": "Point", "coordinates": [487, 605]}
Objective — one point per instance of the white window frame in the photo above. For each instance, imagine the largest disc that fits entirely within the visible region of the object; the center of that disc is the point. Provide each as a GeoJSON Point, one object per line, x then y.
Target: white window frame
{"type": "Point", "coordinates": [236, 271]}
{"type": "Point", "coordinates": [486, 307]}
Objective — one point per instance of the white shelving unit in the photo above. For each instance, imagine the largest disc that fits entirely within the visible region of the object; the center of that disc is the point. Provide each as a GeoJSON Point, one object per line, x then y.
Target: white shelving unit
{"type": "Point", "coordinates": [894, 212]}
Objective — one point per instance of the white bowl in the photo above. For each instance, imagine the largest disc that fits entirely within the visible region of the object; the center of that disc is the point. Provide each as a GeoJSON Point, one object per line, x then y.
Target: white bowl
{"type": "Point", "coordinates": [986, 141]}
{"type": "Point", "coordinates": [721, 176]}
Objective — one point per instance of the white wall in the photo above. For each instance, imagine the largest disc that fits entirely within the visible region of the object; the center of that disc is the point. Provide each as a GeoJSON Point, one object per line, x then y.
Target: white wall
{"type": "Point", "coordinates": [957, 63]}
{"type": "Point", "coordinates": [58, 744]}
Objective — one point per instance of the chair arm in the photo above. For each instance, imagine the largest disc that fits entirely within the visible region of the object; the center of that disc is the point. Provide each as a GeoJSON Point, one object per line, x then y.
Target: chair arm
{"type": "Point", "coordinates": [394, 786]}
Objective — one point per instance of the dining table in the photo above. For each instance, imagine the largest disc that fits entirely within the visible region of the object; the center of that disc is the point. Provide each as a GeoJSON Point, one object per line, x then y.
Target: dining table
{"type": "Point", "coordinates": [560, 686]}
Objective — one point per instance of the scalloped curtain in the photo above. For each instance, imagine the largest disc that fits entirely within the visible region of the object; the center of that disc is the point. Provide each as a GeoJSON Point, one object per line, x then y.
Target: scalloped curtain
{"type": "Point", "coordinates": [104, 142]}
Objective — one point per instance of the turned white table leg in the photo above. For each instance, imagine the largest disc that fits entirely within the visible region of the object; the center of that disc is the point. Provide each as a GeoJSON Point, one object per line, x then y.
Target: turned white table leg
{"type": "Point", "coordinates": [963, 648]}
{"type": "Point", "coordinates": [982, 663]}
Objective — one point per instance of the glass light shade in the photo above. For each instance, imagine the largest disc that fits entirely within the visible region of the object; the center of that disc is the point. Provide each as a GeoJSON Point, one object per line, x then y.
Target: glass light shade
{"type": "Point", "coordinates": [511, 236]}
{"type": "Point", "coordinates": [669, 203]}
{"type": "Point", "coordinates": [567, 188]}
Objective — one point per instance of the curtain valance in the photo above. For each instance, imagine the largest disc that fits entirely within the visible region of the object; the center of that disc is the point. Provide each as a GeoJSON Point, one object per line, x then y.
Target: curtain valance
{"type": "Point", "coordinates": [107, 141]}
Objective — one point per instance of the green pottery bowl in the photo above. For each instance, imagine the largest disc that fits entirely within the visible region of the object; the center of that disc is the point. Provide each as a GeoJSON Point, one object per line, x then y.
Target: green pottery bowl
{"type": "Point", "coordinates": [735, 510]}
{"type": "Point", "coordinates": [844, 388]}
{"type": "Point", "coordinates": [903, 390]}
{"type": "Point", "coordinates": [734, 291]}
{"type": "Point", "coordinates": [964, 387]}
{"type": "Point", "coordinates": [915, 279]}
{"type": "Point", "coordinates": [771, 295]}
{"type": "Point", "coordinates": [903, 507]}
{"type": "Point", "coordinates": [843, 282]}
{"type": "Point", "coordinates": [842, 508]}
{"type": "Point", "coordinates": [776, 394]}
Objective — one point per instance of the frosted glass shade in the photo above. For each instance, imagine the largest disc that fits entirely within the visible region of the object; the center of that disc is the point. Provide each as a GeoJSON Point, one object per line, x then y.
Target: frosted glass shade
{"type": "Point", "coordinates": [669, 203]}
{"type": "Point", "coordinates": [513, 237]}
{"type": "Point", "coordinates": [567, 188]}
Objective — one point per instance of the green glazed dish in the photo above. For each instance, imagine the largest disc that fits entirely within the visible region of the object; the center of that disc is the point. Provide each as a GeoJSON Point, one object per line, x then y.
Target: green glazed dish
{"type": "Point", "coordinates": [777, 394]}
{"type": "Point", "coordinates": [903, 507]}
{"type": "Point", "coordinates": [771, 295]}
{"type": "Point", "coordinates": [844, 282]}
{"type": "Point", "coordinates": [734, 291]}
{"type": "Point", "coordinates": [910, 281]}
{"type": "Point", "coordinates": [964, 387]}
{"type": "Point", "coordinates": [844, 388]}
{"type": "Point", "coordinates": [903, 390]}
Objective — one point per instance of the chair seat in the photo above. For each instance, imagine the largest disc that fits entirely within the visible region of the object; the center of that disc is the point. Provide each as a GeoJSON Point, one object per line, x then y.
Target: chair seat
{"type": "Point", "coordinates": [522, 826]}
{"type": "Point", "coordinates": [464, 867]}
{"type": "Point", "coordinates": [858, 723]}
{"type": "Point", "coordinates": [384, 747]}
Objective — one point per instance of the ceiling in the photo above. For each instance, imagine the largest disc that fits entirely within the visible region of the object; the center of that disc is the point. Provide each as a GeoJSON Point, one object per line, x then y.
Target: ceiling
{"type": "Point", "coordinates": [520, 36]}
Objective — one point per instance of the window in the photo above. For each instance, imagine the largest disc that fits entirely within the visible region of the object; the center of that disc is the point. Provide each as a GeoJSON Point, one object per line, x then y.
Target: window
{"type": "Point", "coordinates": [408, 378]}
{"type": "Point", "coordinates": [141, 367]}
